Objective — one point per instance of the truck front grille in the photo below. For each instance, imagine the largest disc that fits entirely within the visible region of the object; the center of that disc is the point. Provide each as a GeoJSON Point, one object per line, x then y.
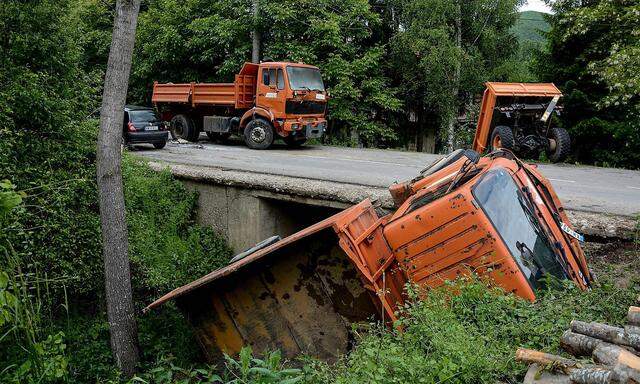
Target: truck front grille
{"type": "Point", "coordinates": [304, 107]}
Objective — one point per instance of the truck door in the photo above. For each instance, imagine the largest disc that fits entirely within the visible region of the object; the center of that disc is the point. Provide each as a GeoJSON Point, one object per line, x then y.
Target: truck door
{"type": "Point", "coordinates": [271, 90]}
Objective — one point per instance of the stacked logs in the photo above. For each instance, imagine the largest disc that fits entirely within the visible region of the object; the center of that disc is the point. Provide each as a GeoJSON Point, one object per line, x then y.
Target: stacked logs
{"type": "Point", "coordinates": [615, 352]}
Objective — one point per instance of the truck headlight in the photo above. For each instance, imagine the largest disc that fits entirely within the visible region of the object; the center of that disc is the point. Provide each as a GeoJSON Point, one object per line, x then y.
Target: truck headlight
{"type": "Point", "coordinates": [295, 126]}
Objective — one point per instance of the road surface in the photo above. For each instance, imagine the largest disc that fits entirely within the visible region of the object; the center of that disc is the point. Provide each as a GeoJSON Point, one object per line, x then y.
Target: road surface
{"type": "Point", "coordinates": [581, 188]}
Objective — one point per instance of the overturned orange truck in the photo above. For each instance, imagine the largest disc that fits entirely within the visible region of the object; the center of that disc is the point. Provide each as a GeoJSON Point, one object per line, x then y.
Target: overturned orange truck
{"type": "Point", "coordinates": [493, 215]}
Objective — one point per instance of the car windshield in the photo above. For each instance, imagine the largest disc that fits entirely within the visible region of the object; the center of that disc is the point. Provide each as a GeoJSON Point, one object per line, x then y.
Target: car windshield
{"type": "Point", "coordinates": [305, 78]}
{"type": "Point", "coordinates": [513, 217]}
{"type": "Point", "coordinates": [142, 116]}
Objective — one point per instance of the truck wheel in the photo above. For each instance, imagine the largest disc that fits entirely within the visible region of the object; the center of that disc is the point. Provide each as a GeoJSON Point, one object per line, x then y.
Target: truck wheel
{"type": "Point", "coordinates": [258, 134]}
{"type": "Point", "coordinates": [293, 143]}
{"type": "Point", "coordinates": [559, 144]}
{"type": "Point", "coordinates": [217, 136]}
{"type": "Point", "coordinates": [502, 137]}
{"type": "Point", "coordinates": [183, 127]}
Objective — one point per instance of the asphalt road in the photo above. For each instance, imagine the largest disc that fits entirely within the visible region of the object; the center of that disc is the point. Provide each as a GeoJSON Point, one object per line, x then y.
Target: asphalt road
{"type": "Point", "coordinates": [584, 188]}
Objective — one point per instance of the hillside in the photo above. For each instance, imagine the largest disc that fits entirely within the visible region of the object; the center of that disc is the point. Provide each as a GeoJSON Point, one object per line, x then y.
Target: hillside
{"type": "Point", "coordinates": [529, 25]}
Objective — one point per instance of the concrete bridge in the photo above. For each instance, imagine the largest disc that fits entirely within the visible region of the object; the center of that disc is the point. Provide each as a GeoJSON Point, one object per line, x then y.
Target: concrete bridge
{"type": "Point", "coordinates": [250, 195]}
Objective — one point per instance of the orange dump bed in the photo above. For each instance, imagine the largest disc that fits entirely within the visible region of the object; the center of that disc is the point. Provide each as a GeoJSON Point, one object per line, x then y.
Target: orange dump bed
{"type": "Point", "coordinates": [239, 94]}
{"type": "Point", "coordinates": [523, 89]}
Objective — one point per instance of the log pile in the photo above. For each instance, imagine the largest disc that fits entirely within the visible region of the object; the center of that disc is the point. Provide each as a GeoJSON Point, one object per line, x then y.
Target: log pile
{"type": "Point", "coordinates": [614, 354]}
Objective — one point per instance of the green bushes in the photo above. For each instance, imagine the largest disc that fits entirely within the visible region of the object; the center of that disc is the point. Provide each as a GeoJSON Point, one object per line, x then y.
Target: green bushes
{"type": "Point", "coordinates": [472, 337]}
{"type": "Point", "coordinates": [167, 248]}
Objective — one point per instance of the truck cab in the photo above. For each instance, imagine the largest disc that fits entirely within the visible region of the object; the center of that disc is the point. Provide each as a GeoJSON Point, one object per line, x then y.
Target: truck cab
{"type": "Point", "coordinates": [266, 101]}
{"type": "Point", "coordinates": [296, 96]}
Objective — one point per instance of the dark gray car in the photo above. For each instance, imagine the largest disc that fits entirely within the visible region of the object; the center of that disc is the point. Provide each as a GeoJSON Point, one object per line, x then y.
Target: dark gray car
{"type": "Point", "coordinates": [143, 126]}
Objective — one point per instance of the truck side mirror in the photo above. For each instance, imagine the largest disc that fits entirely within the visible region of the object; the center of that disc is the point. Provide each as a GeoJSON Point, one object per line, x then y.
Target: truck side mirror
{"type": "Point", "coordinates": [472, 155]}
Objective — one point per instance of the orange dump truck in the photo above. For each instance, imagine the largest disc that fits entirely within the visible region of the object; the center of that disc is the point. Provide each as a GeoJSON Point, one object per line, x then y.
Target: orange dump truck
{"type": "Point", "coordinates": [494, 215]}
{"type": "Point", "coordinates": [517, 117]}
{"type": "Point", "coordinates": [266, 101]}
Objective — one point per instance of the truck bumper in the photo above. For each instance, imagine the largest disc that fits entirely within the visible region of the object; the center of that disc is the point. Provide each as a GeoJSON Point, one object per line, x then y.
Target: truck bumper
{"type": "Point", "coordinates": [310, 129]}
{"type": "Point", "coordinates": [142, 137]}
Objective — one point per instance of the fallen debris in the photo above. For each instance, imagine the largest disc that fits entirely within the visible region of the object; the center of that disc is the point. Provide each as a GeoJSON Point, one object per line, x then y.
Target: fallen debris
{"type": "Point", "coordinates": [615, 353]}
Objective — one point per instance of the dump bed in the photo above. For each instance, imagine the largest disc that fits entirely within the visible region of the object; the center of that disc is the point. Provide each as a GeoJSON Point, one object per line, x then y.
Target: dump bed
{"type": "Point", "coordinates": [239, 94]}
{"type": "Point", "coordinates": [523, 89]}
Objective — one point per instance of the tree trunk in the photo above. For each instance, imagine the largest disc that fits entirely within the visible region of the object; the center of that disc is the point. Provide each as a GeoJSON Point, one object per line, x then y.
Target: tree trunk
{"type": "Point", "coordinates": [255, 34]}
{"type": "Point", "coordinates": [455, 83]}
{"type": "Point", "coordinates": [120, 311]}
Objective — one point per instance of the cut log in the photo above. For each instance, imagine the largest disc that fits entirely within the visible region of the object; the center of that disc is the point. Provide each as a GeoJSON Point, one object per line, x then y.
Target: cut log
{"type": "Point", "coordinates": [607, 354]}
{"type": "Point", "coordinates": [627, 368]}
{"type": "Point", "coordinates": [536, 375]}
{"type": "Point", "coordinates": [633, 316]}
{"type": "Point", "coordinates": [593, 375]}
{"type": "Point", "coordinates": [608, 333]}
{"type": "Point", "coordinates": [578, 344]}
{"type": "Point", "coordinates": [632, 329]}
{"type": "Point", "coordinates": [545, 359]}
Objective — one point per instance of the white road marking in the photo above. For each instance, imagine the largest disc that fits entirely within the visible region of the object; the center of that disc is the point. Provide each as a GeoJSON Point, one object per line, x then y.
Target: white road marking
{"type": "Point", "coordinates": [634, 187]}
{"type": "Point", "coordinates": [566, 181]}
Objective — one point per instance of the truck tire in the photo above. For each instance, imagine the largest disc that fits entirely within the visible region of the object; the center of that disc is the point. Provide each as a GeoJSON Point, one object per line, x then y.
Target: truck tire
{"type": "Point", "coordinates": [502, 137]}
{"type": "Point", "coordinates": [293, 143]}
{"type": "Point", "coordinates": [258, 134]}
{"type": "Point", "coordinates": [560, 147]}
{"type": "Point", "coordinates": [183, 127]}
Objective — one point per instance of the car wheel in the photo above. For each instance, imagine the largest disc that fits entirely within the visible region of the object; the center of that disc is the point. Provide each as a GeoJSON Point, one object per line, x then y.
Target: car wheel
{"type": "Point", "coordinates": [559, 144]}
{"type": "Point", "coordinates": [292, 142]}
{"type": "Point", "coordinates": [502, 138]}
{"type": "Point", "coordinates": [183, 127]}
{"type": "Point", "coordinates": [159, 145]}
{"type": "Point", "coordinates": [258, 134]}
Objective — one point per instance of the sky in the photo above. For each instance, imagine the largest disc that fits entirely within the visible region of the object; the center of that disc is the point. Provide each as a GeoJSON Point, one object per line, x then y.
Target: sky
{"type": "Point", "coordinates": [535, 5]}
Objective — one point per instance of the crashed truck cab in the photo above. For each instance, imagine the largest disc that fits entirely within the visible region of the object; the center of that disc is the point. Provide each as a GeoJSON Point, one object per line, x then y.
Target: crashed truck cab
{"type": "Point", "coordinates": [495, 216]}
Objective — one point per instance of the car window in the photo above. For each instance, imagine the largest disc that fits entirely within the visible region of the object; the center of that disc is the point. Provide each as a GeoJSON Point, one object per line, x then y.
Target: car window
{"type": "Point", "coordinates": [142, 116]}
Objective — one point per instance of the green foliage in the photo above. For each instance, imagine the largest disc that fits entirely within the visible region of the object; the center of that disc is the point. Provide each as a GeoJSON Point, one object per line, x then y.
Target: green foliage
{"type": "Point", "coordinates": [247, 369]}
{"type": "Point", "coordinates": [471, 337]}
{"type": "Point", "coordinates": [426, 54]}
{"type": "Point", "coordinates": [167, 248]}
{"type": "Point", "coordinates": [531, 26]}
{"type": "Point", "coordinates": [34, 356]}
{"type": "Point", "coordinates": [593, 55]}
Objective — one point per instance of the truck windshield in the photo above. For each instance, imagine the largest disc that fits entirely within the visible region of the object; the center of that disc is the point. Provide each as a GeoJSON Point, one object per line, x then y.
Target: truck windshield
{"type": "Point", "coordinates": [142, 116]}
{"type": "Point", "coordinates": [305, 78]}
{"type": "Point", "coordinates": [513, 217]}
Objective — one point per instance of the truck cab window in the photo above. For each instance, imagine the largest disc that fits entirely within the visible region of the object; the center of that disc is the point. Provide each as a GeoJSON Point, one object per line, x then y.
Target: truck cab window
{"type": "Point", "coordinates": [272, 77]}
{"type": "Point", "coordinates": [280, 78]}
{"type": "Point", "coordinates": [512, 216]}
{"type": "Point", "coordinates": [265, 76]}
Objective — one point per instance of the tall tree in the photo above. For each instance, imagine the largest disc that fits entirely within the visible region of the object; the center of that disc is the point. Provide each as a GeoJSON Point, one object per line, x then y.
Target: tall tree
{"type": "Point", "coordinates": [120, 311]}
{"type": "Point", "coordinates": [255, 34]}
{"type": "Point", "coordinates": [442, 52]}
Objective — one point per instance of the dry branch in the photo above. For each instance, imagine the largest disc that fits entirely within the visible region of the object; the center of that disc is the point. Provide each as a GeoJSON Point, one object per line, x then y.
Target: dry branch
{"type": "Point", "coordinates": [545, 359]}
